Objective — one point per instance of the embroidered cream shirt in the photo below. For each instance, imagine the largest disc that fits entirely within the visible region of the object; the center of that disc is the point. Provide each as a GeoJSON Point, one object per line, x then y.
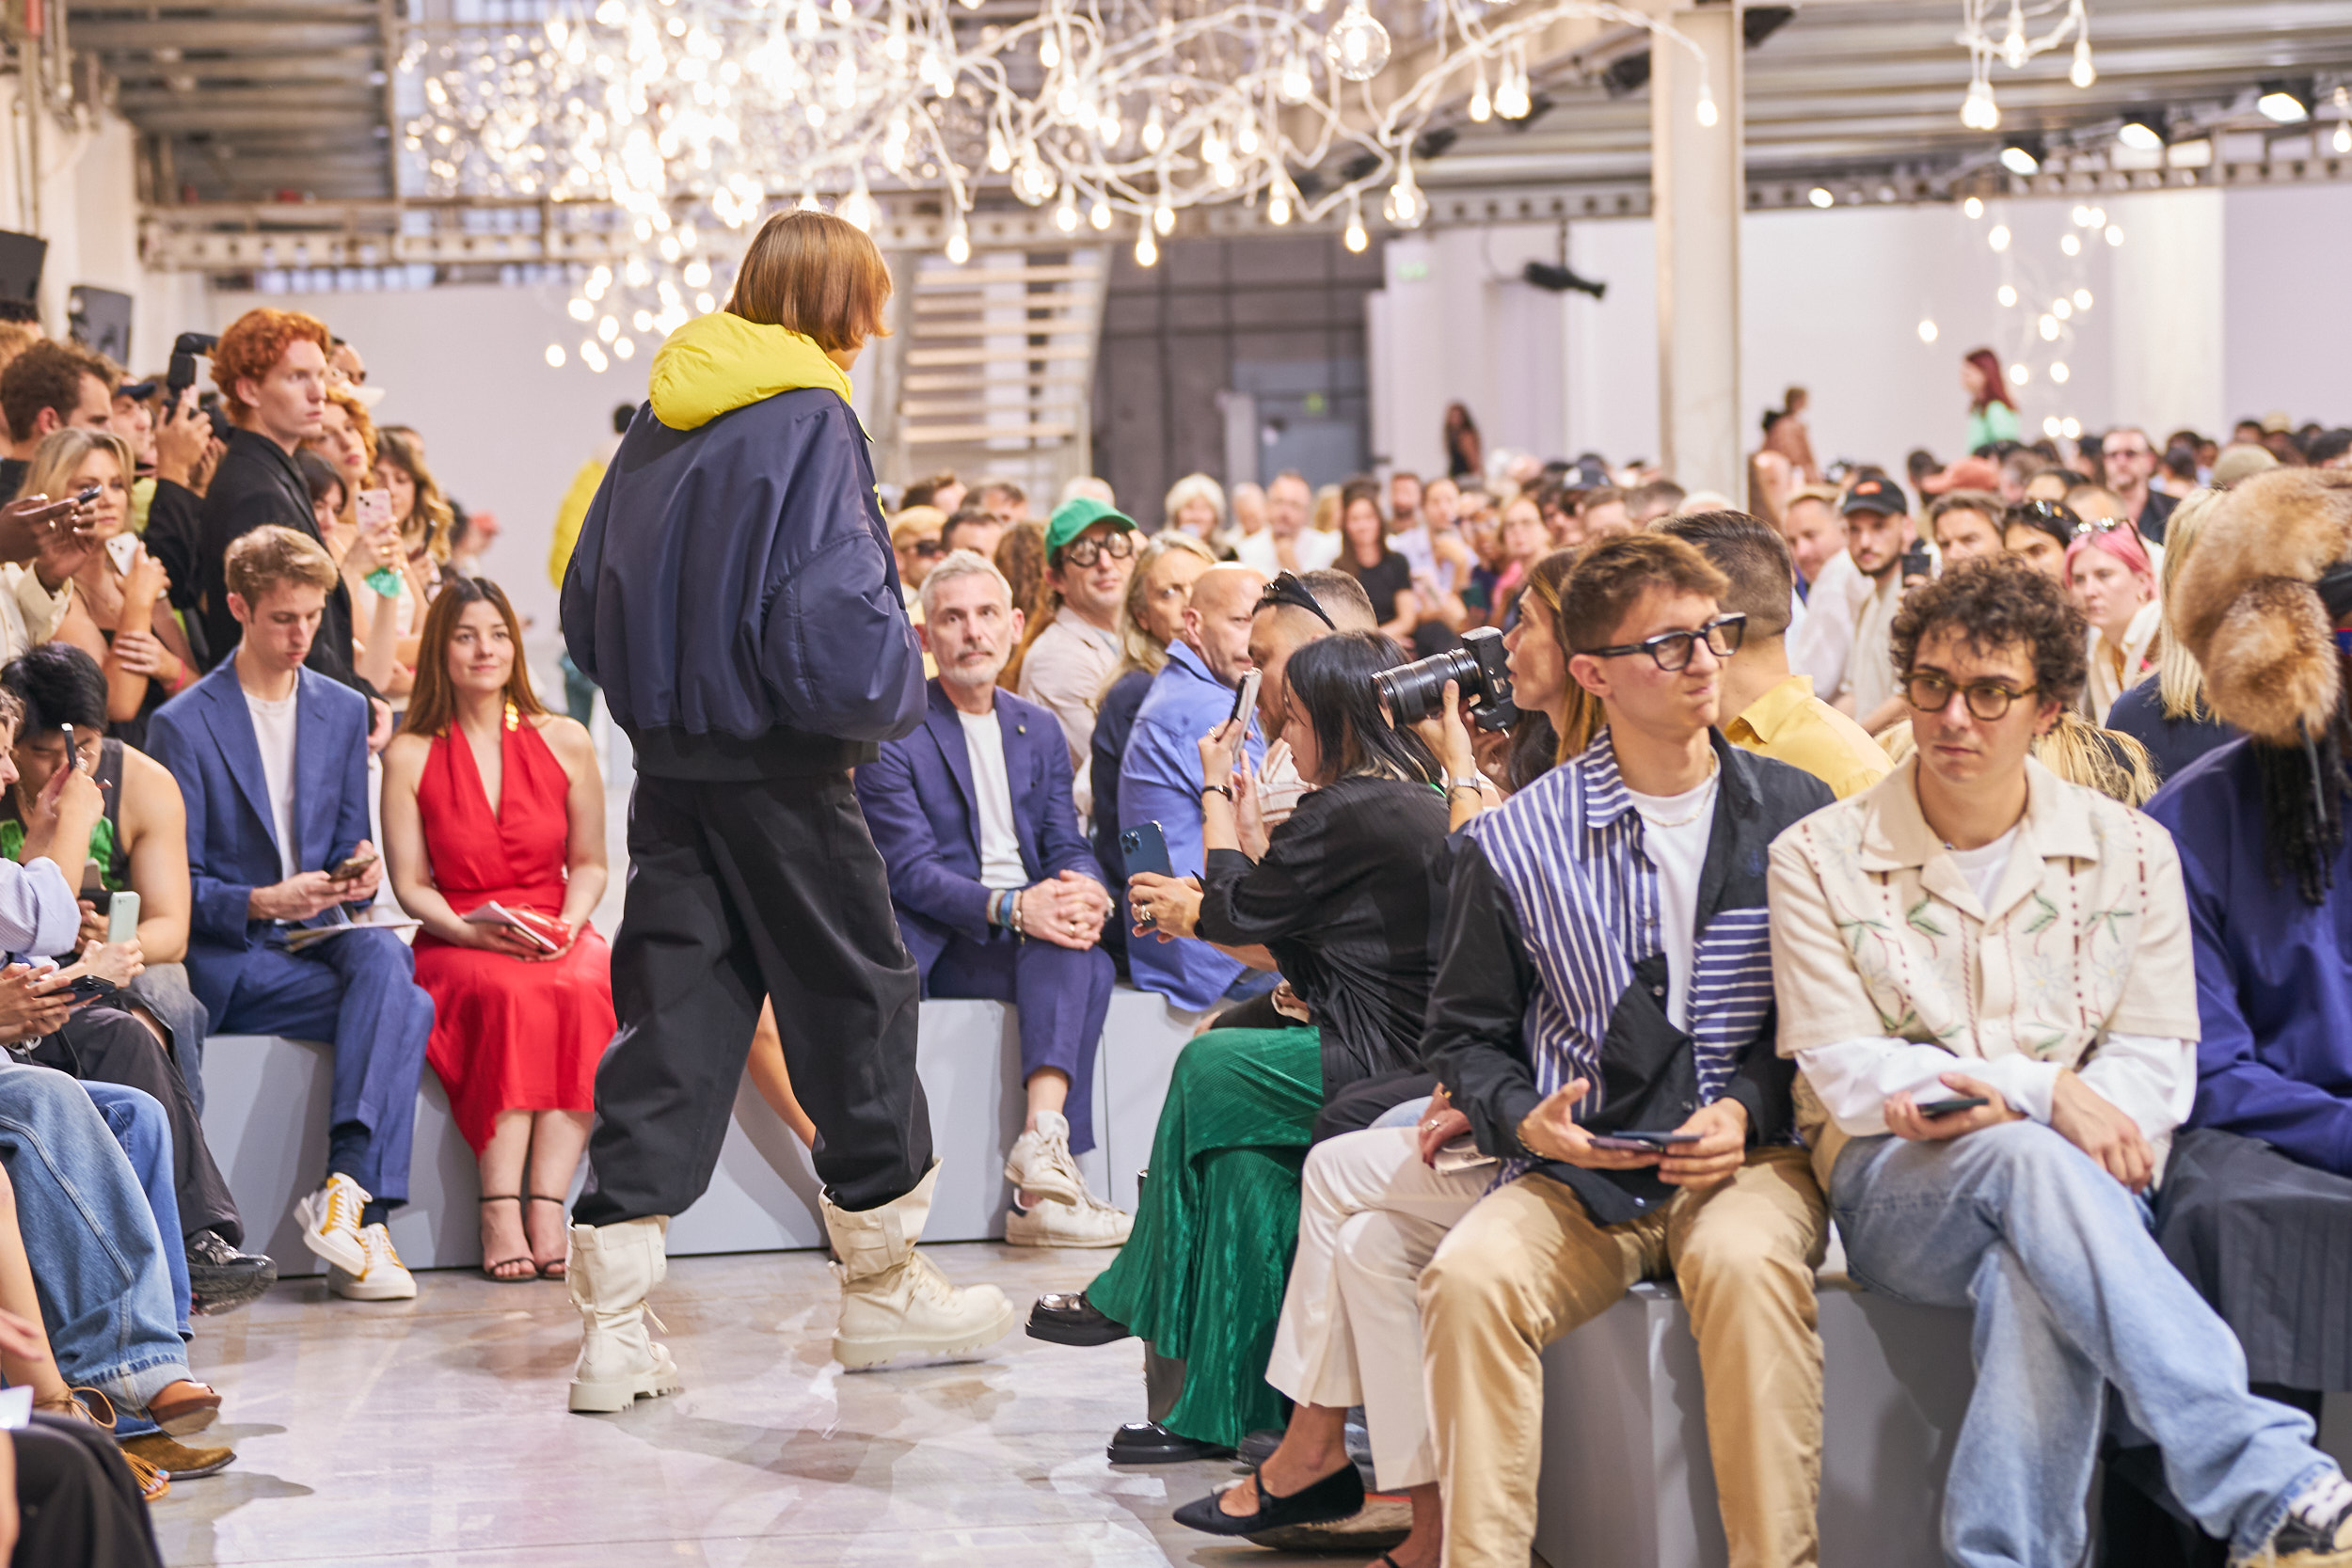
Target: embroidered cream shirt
{"type": "Point", "coordinates": [1877, 934]}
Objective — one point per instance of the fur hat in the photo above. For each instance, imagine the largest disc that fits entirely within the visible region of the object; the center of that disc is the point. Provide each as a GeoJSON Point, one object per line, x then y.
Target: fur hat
{"type": "Point", "coordinates": [2246, 603]}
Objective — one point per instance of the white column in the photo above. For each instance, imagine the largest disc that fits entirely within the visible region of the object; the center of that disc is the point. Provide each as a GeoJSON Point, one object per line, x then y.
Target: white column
{"type": "Point", "coordinates": [2167, 292]}
{"type": "Point", "coordinates": [1698, 184]}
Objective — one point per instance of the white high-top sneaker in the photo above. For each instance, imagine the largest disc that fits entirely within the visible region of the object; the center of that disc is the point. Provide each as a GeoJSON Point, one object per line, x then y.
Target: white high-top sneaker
{"type": "Point", "coordinates": [893, 1301]}
{"type": "Point", "coordinates": [1063, 1212]}
{"type": "Point", "coordinates": [612, 1269]}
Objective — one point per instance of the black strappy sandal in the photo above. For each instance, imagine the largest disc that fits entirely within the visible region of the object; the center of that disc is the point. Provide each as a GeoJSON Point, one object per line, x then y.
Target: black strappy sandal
{"type": "Point", "coordinates": [491, 1265]}
{"type": "Point", "coordinates": [560, 1267]}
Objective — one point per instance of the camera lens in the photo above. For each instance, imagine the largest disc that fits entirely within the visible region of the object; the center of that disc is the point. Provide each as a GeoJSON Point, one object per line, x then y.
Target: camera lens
{"type": "Point", "coordinates": [1416, 691]}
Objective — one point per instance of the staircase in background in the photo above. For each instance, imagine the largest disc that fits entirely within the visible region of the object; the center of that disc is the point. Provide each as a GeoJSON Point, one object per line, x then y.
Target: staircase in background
{"type": "Point", "coordinates": [991, 368]}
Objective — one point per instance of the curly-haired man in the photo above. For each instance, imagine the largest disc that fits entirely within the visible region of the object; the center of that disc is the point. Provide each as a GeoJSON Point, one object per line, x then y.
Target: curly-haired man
{"type": "Point", "coordinates": [1986, 980]}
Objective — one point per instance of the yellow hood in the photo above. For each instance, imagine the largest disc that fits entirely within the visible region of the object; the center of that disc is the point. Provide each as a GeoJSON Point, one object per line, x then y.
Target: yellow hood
{"type": "Point", "coordinates": [720, 362]}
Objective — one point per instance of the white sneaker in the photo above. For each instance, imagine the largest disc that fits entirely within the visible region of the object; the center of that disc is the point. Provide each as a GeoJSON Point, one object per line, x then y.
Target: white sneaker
{"type": "Point", "coordinates": [1040, 1163]}
{"type": "Point", "coordinates": [330, 1223]}
{"type": "Point", "coordinates": [383, 1277]}
{"type": "Point", "coordinates": [1089, 1221]}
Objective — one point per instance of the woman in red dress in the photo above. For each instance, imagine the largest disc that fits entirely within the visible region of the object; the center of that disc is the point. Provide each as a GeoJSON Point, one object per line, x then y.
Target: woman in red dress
{"type": "Point", "coordinates": [494, 830]}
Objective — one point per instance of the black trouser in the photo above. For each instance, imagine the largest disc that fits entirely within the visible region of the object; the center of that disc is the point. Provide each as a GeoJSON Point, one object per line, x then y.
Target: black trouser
{"type": "Point", "coordinates": [739, 892]}
{"type": "Point", "coordinates": [77, 1500]}
{"type": "Point", "coordinates": [102, 1045]}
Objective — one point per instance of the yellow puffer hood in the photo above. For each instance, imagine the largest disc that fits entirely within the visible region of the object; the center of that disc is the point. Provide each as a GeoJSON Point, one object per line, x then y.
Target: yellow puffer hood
{"type": "Point", "coordinates": [720, 362]}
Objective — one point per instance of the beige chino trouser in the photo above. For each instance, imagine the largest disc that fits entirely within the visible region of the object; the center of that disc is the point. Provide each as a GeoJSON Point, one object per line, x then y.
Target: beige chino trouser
{"type": "Point", "coordinates": [1528, 1264]}
{"type": "Point", "coordinates": [1371, 1215]}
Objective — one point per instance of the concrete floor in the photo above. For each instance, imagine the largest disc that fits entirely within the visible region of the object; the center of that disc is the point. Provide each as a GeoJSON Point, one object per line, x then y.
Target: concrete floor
{"type": "Point", "coordinates": [433, 1431]}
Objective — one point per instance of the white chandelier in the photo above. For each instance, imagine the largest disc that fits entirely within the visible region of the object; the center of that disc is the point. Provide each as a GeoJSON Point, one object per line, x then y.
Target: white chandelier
{"type": "Point", "coordinates": [692, 117]}
{"type": "Point", "coordinates": [2014, 47]}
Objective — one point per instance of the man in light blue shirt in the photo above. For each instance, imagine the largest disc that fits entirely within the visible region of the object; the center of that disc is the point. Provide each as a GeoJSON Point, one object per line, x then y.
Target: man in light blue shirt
{"type": "Point", "coordinates": [1159, 775]}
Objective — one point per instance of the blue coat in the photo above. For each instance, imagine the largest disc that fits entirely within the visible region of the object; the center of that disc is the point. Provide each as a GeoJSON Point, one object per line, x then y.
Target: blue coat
{"type": "Point", "coordinates": [2274, 976]}
{"type": "Point", "coordinates": [920, 807]}
{"type": "Point", "coordinates": [205, 737]}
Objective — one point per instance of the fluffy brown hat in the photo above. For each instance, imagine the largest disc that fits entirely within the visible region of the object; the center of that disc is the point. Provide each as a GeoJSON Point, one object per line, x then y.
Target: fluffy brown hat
{"type": "Point", "coordinates": [2245, 604]}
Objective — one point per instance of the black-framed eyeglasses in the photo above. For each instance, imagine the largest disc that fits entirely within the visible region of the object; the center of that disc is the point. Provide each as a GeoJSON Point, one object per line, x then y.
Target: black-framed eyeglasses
{"type": "Point", "coordinates": [926, 548]}
{"type": "Point", "coordinates": [1086, 552]}
{"type": "Point", "coordinates": [1928, 693]}
{"type": "Point", "coordinates": [1673, 651]}
{"type": "Point", "coordinates": [1287, 590]}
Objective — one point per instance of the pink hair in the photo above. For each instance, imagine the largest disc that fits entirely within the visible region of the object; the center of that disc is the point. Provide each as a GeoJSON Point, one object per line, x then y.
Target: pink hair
{"type": "Point", "coordinates": [2121, 542]}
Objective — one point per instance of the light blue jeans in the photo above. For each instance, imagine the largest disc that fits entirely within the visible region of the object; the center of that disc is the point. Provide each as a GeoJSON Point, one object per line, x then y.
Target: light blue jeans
{"type": "Point", "coordinates": [103, 1271]}
{"type": "Point", "coordinates": [2069, 1294]}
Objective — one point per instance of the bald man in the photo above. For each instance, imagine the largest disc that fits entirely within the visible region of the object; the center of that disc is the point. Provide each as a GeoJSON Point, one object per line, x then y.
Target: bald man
{"type": "Point", "coordinates": [1159, 776]}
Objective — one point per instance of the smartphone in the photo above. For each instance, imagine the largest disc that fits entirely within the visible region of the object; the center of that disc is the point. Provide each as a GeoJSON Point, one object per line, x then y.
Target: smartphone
{"type": "Point", "coordinates": [1916, 562]}
{"type": "Point", "coordinates": [374, 509]}
{"type": "Point", "coordinates": [122, 916]}
{"type": "Point", "coordinates": [1643, 1143]}
{"type": "Point", "coordinates": [123, 548]}
{"type": "Point", "coordinates": [1246, 700]}
{"type": "Point", "coordinates": [1935, 1108]}
{"type": "Point", "coordinates": [353, 866]}
{"type": "Point", "coordinates": [72, 749]}
{"type": "Point", "coordinates": [1144, 847]}
{"type": "Point", "coordinates": [89, 987]}
{"type": "Point", "coordinates": [86, 494]}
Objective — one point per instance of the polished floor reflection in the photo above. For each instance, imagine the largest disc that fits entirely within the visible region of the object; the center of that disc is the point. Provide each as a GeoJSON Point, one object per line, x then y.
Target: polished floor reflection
{"type": "Point", "coordinates": [433, 1431]}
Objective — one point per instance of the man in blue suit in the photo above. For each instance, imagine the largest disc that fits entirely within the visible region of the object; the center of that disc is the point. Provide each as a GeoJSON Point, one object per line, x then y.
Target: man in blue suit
{"type": "Point", "coordinates": [995, 890]}
{"type": "Point", "coordinates": [273, 761]}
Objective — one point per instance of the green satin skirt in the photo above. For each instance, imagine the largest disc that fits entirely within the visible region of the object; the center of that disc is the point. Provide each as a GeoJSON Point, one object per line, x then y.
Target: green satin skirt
{"type": "Point", "coordinates": [1203, 1274]}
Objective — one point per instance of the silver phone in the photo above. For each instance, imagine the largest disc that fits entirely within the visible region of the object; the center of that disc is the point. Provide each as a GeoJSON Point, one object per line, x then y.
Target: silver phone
{"type": "Point", "coordinates": [123, 918]}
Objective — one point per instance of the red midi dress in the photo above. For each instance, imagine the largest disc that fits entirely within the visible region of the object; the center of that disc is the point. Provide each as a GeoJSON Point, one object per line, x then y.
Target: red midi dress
{"type": "Point", "coordinates": [508, 1034]}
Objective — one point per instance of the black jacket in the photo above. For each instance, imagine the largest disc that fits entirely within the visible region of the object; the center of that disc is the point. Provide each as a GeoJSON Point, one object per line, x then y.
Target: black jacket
{"type": "Point", "coordinates": [1487, 982]}
{"type": "Point", "coordinates": [257, 484]}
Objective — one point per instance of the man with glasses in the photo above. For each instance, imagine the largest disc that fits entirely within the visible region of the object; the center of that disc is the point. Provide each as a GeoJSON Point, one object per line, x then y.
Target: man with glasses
{"type": "Point", "coordinates": [1089, 554]}
{"type": "Point", "coordinates": [1986, 980]}
{"type": "Point", "coordinates": [2129, 463]}
{"type": "Point", "coordinates": [1606, 972]}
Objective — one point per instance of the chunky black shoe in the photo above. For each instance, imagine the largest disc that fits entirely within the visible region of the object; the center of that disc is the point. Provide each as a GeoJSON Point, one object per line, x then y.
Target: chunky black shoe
{"type": "Point", "coordinates": [221, 1278]}
{"type": "Point", "coordinates": [1070, 1319]}
{"type": "Point", "coordinates": [2318, 1530]}
{"type": "Point", "coordinates": [1150, 1443]}
{"type": "Point", "coordinates": [1337, 1496]}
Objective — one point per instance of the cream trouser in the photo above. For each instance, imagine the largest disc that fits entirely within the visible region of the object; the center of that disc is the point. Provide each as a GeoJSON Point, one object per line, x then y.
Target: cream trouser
{"type": "Point", "coordinates": [1370, 1214]}
{"type": "Point", "coordinates": [1527, 1265]}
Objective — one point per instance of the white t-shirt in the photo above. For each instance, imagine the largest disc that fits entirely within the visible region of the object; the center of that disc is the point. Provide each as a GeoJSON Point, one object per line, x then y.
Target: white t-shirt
{"type": "Point", "coordinates": [1314, 550]}
{"type": "Point", "coordinates": [1983, 866]}
{"type": "Point", "coordinates": [274, 733]}
{"type": "Point", "coordinates": [992, 791]}
{"type": "Point", "coordinates": [1674, 831]}
{"type": "Point", "coordinates": [1420, 553]}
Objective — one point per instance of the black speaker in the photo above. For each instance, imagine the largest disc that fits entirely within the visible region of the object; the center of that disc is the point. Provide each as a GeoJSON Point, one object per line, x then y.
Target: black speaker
{"type": "Point", "coordinates": [21, 256]}
{"type": "Point", "coordinates": [99, 319]}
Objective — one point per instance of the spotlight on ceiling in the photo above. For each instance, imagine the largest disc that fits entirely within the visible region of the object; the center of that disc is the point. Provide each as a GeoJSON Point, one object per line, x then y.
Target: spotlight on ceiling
{"type": "Point", "coordinates": [2287, 103]}
{"type": "Point", "coordinates": [2143, 131]}
{"type": "Point", "coordinates": [2023, 155]}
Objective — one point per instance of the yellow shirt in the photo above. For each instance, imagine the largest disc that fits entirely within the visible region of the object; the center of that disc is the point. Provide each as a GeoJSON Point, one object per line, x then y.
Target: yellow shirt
{"type": "Point", "coordinates": [1791, 724]}
{"type": "Point", "coordinates": [571, 514]}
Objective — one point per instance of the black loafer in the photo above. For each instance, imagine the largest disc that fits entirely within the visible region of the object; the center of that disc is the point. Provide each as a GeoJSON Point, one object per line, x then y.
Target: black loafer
{"type": "Point", "coordinates": [1337, 1496]}
{"type": "Point", "coordinates": [1150, 1443]}
{"type": "Point", "coordinates": [1071, 1320]}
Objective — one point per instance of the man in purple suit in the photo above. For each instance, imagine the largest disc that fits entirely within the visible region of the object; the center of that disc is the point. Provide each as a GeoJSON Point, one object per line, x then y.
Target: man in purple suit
{"type": "Point", "coordinates": [996, 889]}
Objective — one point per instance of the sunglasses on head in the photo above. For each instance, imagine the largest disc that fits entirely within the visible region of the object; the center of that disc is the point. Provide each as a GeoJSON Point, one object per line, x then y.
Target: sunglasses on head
{"type": "Point", "coordinates": [1287, 590]}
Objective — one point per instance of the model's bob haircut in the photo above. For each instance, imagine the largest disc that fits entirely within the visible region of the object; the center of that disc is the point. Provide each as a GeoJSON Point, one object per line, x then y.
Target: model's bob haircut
{"type": "Point", "coordinates": [817, 275]}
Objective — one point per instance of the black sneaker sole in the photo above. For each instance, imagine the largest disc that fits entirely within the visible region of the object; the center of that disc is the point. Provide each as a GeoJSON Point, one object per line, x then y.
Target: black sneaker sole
{"type": "Point", "coordinates": [1055, 1331]}
{"type": "Point", "coordinates": [215, 1291]}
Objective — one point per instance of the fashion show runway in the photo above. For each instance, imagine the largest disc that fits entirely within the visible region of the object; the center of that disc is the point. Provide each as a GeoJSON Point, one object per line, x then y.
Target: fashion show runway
{"type": "Point", "coordinates": [433, 1431]}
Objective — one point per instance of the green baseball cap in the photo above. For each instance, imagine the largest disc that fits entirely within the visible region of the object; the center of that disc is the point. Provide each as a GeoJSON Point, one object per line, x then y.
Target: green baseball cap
{"type": "Point", "coordinates": [1077, 515]}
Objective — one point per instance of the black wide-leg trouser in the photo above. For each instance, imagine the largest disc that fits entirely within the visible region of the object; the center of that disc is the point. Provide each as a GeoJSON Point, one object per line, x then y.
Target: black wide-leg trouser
{"type": "Point", "coordinates": [740, 891]}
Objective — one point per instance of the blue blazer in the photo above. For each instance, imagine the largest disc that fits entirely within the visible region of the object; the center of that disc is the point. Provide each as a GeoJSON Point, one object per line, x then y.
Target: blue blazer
{"type": "Point", "coordinates": [920, 808]}
{"type": "Point", "coordinates": [205, 737]}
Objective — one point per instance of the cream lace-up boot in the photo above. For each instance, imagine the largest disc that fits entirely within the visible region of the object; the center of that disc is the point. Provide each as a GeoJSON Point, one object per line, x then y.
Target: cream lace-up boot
{"type": "Point", "coordinates": [893, 1301]}
{"type": "Point", "coordinates": [612, 1269]}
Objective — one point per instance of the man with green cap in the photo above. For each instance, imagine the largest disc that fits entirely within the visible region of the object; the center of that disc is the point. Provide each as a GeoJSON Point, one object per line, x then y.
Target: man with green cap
{"type": "Point", "coordinates": [1090, 553]}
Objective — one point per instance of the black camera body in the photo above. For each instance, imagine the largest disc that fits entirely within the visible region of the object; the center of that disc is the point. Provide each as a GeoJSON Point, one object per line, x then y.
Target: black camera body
{"type": "Point", "coordinates": [1481, 668]}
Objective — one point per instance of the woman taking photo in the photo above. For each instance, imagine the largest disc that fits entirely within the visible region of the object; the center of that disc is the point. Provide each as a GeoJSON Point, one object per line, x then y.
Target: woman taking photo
{"type": "Point", "coordinates": [120, 613]}
{"type": "Point", "coordinates": [494, 826]}
{"type": "Point", "coordinates": [376, 632]}
{"type": "Point", "coordinates": [1148, 619]}
{"type": "Point", "coordinates": [1387, 578]}
{"type": "Point", "coordinates": [1348, 902]}
{"type": "Point", "coordinates": [1992, 411]}
{"type": "Point", "coordinates": [2114, 585]}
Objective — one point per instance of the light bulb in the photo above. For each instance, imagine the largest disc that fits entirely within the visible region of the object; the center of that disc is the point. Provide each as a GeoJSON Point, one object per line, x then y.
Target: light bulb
{"type": "Point", "coordinates": [999, 152]}
{"type": "Point", "coordinates": [1356, 238]}
{"type": "Point", "coordinates": [1295, 85]}
{"type": "Point", "coordinates": [2062, 308]}
{"type": "Point", "coordinates": [2084, 73]}
{"type": "Point", "coordinates": [1820, 195]}
{"type": "Point", "coordinates": [1155, 131]}
{"type": "Point", "coordinates": [624, 347]}
{"type": "Point", "coordinates": [1997, 236]}
{"type": "Point", "coordinates": [2115, 235]}
{"type": "Point", "coordinates": [2341, 141]}
{"type": "Point", "coordinates": [808, 201]}
{"type": "Point", "coordinates": [2050, 426]}
{"type": "Point", "coordinates": [1977, 111]}
{"type": "Point", "coordinates": [1048, 51]}
{"type": "Point", "coordinates": [2008, 296]}
{"type": "Point", "coordinates": [609, 328]}
{"type": "Point", "coordinates": [958, 241]}
{"type": "Point", "coordinates": [2013, 43]}
{"type": "Point", "coordinates": [593, 356]}
{"type": "Point", "coordinates": [705, 304]}
{"type": "Point", "coordinates": [555, 357]}
{"type": "Point", "coordinates": [2019, 375]}
{"type": "Point", "coordinates": [1405, 207]}
{"type": "Point", "coordinates": [1707, 113]}
{"type": "Point", "coordinates": [1972, 208]}
{"type": "Point", "coordinates": [2048, 327]}
{"type": "Point", "coordinates": [1357, 44]}
{"type": "Point", "coordinates": [2071, 243]}
{"type": "Point", "coordinates": [1246, 138]}
{"type": "Point", "coordinates": [2070, 427]}
{"type": "Point", "coordinates": [2082, 299]}
{"type": "Point", "coordinates": [1146, 252]}
{"type": "Point", "coordinates": [1482, 107]}
{"type": "Point", "coordinates": [1927, 331]}
{"type": "Point", "coordinates": [1277, 206]}
{"type": "Point", "coordinates": [2058, 373]}
{"type": "Point", "coordinates": [1163, 218]}
{"type": "Point", "coordinates": [1100, 216]}
{"type": "Point", "coordinates": [580, 309]}
{"type": "Point", "coordinates": [1066, 210]}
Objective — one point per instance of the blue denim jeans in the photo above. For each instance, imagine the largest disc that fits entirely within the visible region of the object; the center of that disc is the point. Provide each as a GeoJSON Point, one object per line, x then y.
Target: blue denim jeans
{"type": "Point", "coordinates": [102, 1267]}
{"type": "Point", "coordinates": [2071, 1294]}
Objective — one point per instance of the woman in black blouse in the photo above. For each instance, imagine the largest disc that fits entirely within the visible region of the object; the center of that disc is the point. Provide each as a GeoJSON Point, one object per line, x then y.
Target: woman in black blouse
{"type": "Point", "coordinates": [1386, 576]}
{"type": "Point", "coordinates": [1348, 901]}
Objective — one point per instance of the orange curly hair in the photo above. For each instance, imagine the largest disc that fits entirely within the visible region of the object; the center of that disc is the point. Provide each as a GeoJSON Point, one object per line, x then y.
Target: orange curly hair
{"type": "Point", "coordinates": [254, 342]}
